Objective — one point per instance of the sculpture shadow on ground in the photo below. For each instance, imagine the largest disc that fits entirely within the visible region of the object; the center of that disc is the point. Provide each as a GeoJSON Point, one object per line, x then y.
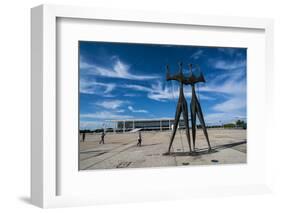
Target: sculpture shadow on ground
{"type": "Point", "coordinates": [153, 144]}
{"type": "Point", "coordinates": [205, 151]}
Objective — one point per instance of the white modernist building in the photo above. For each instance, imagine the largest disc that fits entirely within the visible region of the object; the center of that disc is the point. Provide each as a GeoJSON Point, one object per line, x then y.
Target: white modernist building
{"type": "Point", "coordinates": [144, 124]}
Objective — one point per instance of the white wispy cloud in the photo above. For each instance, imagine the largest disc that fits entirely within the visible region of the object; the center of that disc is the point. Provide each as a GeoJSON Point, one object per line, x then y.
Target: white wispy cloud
{"type": "Point", "coordinates": [111, 104]}
{"type": "Point", "coordinates": [196, 54]}
{"type": "Point", "coordinates": [116, 69]}
{"type": "Point", "coordinates": [232, 85]}
{"type": "Point", "coordinates": [232, 90]}
{"type": "Point", "coordinates": [94, 87]}
{"type": "Point", "coordinates": [131, 95]}
{"type": "Point", "coordinates": [228, 65]}
{"type": "Point", "coordinates": [137, 87]}
{"type": "Point", "coordinates": [137, 110]}
{"type": "Point", "coordinates": [156, 91]}
{"type": "Point", "coordinates": [160, 92]}
{"type": "Point", "coordinates": [234, 104]}
{"type": "Point", "coordinates": [229, 86]}
{"type": "Point", "coordinates": [105, 115]}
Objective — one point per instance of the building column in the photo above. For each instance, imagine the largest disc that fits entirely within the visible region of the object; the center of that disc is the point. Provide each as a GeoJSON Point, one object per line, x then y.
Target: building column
{"type": "Point", "coordinates": [160, 125]}
{"type": "Point", "coordinates": [133, 124]}
{"type": "Point", "coordinates": [123, 126]}
{"type": "Point", "coordinates": [170, 124]}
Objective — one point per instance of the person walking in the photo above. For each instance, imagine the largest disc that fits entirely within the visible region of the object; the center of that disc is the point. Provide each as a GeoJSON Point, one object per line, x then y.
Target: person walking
{"type": "Point", "coordinates": [102, 138]}
{"type": "Point", "coordinates": [139, 139]}
{"type": "Point", "coordinates": [83, 136]}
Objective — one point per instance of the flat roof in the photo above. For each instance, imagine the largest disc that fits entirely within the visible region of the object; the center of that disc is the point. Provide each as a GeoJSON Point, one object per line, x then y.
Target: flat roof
{"type": "Point", "coordinates": [145, 119]}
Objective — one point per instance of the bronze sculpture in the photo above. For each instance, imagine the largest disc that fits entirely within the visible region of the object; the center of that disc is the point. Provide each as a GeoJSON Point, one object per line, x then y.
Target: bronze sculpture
{"type": "Point", "coordinates": [182, 107]}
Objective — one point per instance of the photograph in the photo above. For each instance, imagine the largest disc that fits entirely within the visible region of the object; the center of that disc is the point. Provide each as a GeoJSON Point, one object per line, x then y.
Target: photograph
{"type": "Point", "coordinates": [161, 105]}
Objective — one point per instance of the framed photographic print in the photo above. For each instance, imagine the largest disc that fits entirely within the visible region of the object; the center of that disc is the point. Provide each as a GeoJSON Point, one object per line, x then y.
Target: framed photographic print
{"type": "Point", "coordinates": [136, 103]}
{"type": "Point", "coordinates": [127, 106]}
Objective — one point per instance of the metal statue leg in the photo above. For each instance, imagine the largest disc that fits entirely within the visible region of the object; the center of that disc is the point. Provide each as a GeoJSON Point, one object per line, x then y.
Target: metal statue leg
{"type": "Point", "coordinates": [177, 118]}
{"type": "Point", "coordinates": [193, 120]}
{"type": "Point", "coordinates": [186, 123]}
{"type": "Point", "coordinates": [201, 119]}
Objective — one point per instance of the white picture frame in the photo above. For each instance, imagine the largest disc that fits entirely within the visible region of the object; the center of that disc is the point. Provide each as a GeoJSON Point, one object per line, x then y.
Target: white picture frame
{"type": "Point", "coordinates": [44, 148]}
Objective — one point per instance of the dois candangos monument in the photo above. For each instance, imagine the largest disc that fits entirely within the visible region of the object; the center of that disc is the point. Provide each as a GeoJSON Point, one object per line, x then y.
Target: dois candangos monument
{"type": "Point", "coordinates": [182, 107]}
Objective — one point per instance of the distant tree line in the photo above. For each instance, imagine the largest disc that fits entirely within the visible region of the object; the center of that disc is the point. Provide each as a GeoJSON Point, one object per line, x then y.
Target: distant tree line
{"type": "Point", "coordinates": [238, 124]}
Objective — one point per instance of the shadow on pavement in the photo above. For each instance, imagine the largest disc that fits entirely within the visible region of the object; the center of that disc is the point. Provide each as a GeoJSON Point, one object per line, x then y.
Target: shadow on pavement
{"type": "Point", "coordinates": [205, 151]}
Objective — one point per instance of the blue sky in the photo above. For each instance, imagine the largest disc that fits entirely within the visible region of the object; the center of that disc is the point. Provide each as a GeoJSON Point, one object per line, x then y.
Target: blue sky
{"type": "Point", "coordinates": [127, 81]}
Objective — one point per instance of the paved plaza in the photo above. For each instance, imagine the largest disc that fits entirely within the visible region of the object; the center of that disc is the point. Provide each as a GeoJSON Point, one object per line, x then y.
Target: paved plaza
{"type": "Point", "coordinates": [121, 151]}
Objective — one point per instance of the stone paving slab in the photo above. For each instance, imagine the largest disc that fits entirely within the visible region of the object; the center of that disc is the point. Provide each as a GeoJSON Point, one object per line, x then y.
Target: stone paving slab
{"type": "Point", "coordinates": [120, 150]}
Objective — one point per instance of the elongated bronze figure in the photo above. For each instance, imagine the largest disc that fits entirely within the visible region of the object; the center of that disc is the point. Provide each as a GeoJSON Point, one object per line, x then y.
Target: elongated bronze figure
{"type": "Point", "coordinates": [182, 106]}
{"type": "Point", "coordinates": [196, 108]}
